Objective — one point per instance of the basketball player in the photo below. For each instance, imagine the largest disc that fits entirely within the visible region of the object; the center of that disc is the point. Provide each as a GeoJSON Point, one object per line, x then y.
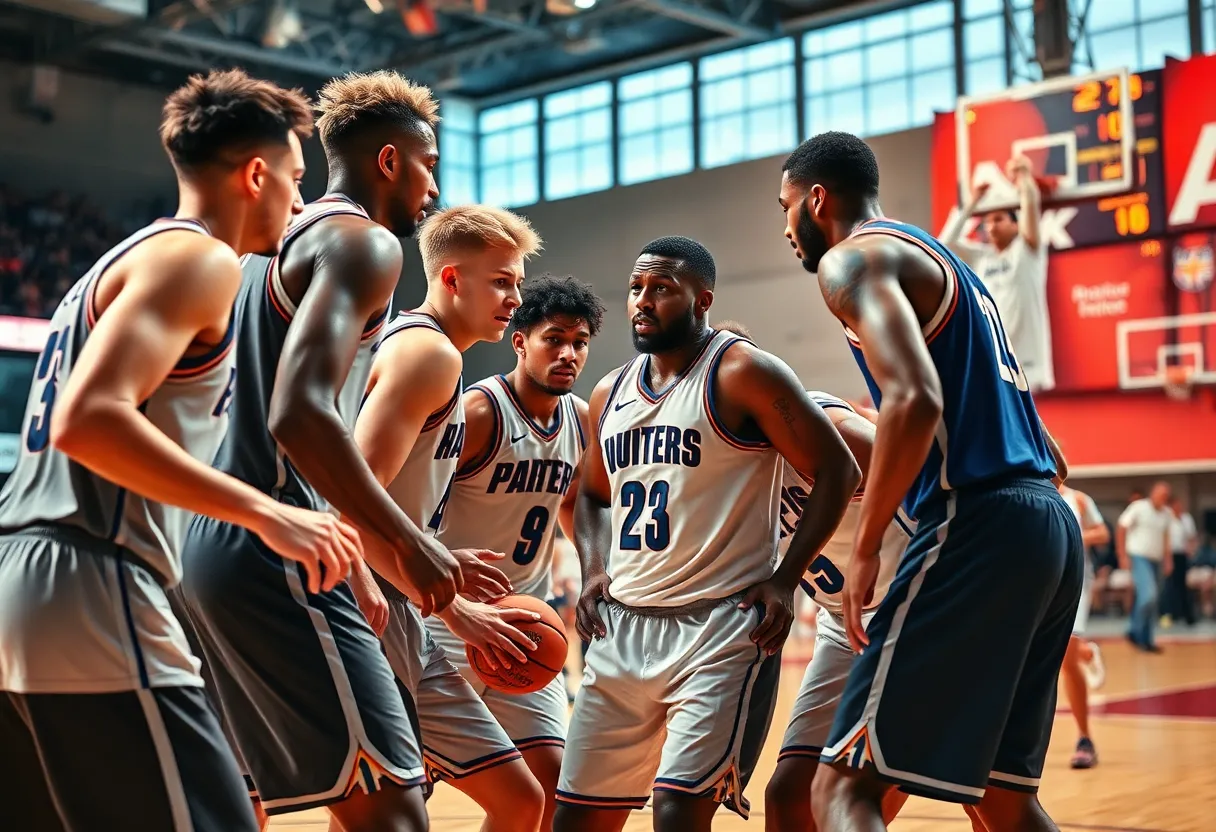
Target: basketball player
{"type": "Point", "coordinates": [516, 482]}
{"type": "Point", "coordinates": [104, 723]}
{"type": "Point", "coordinates": [679, 498]}
{"type": "Point", "coordinates": [304, 686]}
{"type": "Point", "coordinates": [411, 429]}
{"type": "Point", "coordinates": [1083, 667]}
{"type": "Point", "coordinates": [985, 596]}
{"type": "Point", "coordinates": [1013, 267]}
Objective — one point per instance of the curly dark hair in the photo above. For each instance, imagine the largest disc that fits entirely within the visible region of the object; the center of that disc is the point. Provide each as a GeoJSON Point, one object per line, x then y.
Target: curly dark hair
{"type": "Point", "coordinates": [549, 295]}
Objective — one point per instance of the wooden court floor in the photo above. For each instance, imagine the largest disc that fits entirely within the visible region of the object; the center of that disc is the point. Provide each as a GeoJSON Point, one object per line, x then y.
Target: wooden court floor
{"type": "Point", "coordinates": [1154, 724]}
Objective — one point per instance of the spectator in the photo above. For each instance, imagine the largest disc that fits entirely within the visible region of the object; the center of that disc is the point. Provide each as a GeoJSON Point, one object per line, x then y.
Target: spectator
{"type": "Point", "coordinates": [1143, 544]}
{"type": "Point", "coordinates": [1184, 541]}
{"type": "Point", "coordinates": [1013, 267]}
{"type": "Point", "coordinates": [46, 245]}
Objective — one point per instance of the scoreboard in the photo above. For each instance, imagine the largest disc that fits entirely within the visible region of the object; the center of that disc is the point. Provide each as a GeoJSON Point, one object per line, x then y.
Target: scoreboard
{"type": "Point", "coordinates": [1094, 144]}
{"type": "Point", "coordinates": [1126, 164]}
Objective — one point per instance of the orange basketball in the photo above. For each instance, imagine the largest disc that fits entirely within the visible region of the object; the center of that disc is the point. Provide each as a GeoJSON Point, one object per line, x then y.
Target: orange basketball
{"type": "Point", "coordinates": [544, 663]}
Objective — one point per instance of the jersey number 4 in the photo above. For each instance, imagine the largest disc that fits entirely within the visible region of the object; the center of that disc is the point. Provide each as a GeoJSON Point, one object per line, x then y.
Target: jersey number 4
{"type": "Point", "coordinates": [657, 529]}
{"type": "Point", "coordinates": [39, 434]}
{"type": "Point", "coordinates": [1007, 362]}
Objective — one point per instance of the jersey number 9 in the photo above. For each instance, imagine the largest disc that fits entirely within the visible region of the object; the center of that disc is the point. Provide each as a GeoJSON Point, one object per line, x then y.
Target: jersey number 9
{"type": "Point", "coordinates": [532, 533]}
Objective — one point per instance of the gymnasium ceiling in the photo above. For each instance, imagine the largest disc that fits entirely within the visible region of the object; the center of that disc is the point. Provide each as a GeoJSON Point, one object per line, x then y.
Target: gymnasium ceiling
{"type": "Point", "coordinates": [481, 49]}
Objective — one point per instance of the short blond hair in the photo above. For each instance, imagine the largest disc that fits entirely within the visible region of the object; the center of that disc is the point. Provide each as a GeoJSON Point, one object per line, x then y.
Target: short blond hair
{"type": "Point", "coordinates": [474, 228]}
{"type": "Point", "coordinates": [361, 98]}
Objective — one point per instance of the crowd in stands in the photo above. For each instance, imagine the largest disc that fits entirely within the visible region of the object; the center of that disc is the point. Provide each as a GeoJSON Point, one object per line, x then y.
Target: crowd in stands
{"type": "Point", "coordinates": [47, 242]}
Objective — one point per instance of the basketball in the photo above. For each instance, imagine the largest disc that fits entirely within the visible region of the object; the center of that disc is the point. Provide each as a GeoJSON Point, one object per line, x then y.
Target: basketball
{"type": "Point", "coordinates": [544, 663]}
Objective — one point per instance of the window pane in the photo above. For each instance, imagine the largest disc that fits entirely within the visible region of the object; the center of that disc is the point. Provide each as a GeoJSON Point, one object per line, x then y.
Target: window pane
{"type": "Point", "coordinates": [561, 175]}
{"type": "Point", "coordinates": [597, 126]}
{"type": "Point", "coordinates": [816, 116]}
{"type": "Point", "coordinates": [1165, 37]}
{"type": "Point", "coordinates": [1115, 49]}
{"type": "Point", "coordinates": [722, 141]}
{"type": "Point", "coordinates": [931, 15]}
{"type": "Point", "coordinates": [933, 50]}
{"type": "Point", "coordinates": [675, 107]}
{"type": "Point", "coordinates": [985, 76]}
{"type": "Point", "coordinates": [560, 134]}
{"type": "Point", "coordinates": [1114, 14]}
{"type": "Point", "coordinates": [1150, 9]}
{"type": "Point", "coordinates": [1209, 29]}
{"type": "Point", "coordinates": [675, 151]}
{"type": "Point", "coordinates": [976, 8]}
{"type": "Point", "coordinates": [596, 170]}
{"type": "Point", "coordinates": [886, 26]}
{"type": "Point", "coordinates": [887, 106]}
{"type": "Point", "coordinates": [765, 88]}
{"type": "Point", "coordinates": [637, 116]}
{"type": "Point", "coordinates": [638, 158]}
{"type": "Point", "coordinates": [887, 60]}
{"type": "Point", "coordinates": [984, 38]}
{"type": "Point", "coordinates": [843, 70]}
{"type": "Point", "coordinates": [841, 36]}
{"type": "Point", "coordinates": [846, 111]}
{"type": "Point", "coordinates": [932, 92]}
{"type": "Point", "coordinates": [524, 190]}
{"type": "Point", "coordinates": [773, 53]}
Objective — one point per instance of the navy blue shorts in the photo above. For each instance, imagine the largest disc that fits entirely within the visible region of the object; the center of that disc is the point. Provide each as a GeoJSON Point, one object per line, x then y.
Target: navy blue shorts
{"type": "Point", "coordinates": [957, 689]}
{"type": "Point", "coordinates": [303, 684]}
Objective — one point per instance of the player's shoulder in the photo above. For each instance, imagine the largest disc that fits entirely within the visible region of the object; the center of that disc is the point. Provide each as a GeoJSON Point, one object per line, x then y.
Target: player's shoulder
{"type": "Point", "coordinates": [479, 400]}
{"type": "Point", "coordinates": [354, 243]}
{"type": "Point", "coordinates": [187, 261]}
{"type": "Point", "coordinates": [581, 408]}
{"type": "Point", "coordinates": [420, 346]}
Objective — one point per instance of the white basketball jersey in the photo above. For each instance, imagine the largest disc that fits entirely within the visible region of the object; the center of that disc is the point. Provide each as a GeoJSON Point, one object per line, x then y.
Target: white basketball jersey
{"type": "Point", "coordinates": [190, 407]}
{"type": "Point", "coordinates": [694, 508]}
{"type": "Point", "coordinates": [509, 501]}
{"type": "Point", "coordinates": [422, 486]}
{"type": "Point", "coordinates": [824, 579]}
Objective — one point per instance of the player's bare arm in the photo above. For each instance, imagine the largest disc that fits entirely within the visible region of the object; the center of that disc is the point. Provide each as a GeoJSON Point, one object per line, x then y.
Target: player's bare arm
{"type": "Point", "coordinates": [1028, 201]}
{"type": "Point", "coordinates": [756, 391]}
{"type": "Point", "coordinates": [565, 514]}
{"type": "Point", "coordinates": [174, 291]}
{"type": "Point", "coordinates": [858, 434]}
{"type": "Point", "coordinates": [593, 519]}
{"type": "Point", "coordinates": [860, 281]}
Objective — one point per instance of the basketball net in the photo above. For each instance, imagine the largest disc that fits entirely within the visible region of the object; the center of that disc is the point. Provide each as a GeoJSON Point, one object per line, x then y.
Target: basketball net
{"type": "Point", "coordinates": [1178, 383]}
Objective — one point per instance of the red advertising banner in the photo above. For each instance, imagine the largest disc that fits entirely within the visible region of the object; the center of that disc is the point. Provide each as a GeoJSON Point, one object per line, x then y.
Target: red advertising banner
{"type": "Point", "coordinates": [1088, 292]}
{"type": "Point", "coordinates": [1189, 137]}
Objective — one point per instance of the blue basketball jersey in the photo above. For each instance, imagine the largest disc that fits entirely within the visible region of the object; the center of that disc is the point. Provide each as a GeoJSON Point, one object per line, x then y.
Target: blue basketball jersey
{"type": "Point", "coordinates": [989, 427]}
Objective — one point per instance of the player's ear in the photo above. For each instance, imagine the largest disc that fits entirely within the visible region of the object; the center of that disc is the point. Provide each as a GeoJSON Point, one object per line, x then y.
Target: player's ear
{"type": "Point", "coordinates": [447, 278]}
{"type": "Point", "coordinates": [705, 299]}
{"type": "Point", "coordinates": [816, 199]}
{"type": "Point", "coordinates": [388, 162]}
{"type": "Point", "coordinates": [253, 175]}
{"type": "Point", "coordinates": [518, 341]}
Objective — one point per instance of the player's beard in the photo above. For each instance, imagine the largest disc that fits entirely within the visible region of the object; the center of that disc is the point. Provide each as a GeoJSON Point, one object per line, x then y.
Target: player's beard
{"type": "Point", "coordinates": [812, 242]}
{"type": "Point", "coordinates": [670, 336]}
{"type": "Point", "coordinates": [547, 388]}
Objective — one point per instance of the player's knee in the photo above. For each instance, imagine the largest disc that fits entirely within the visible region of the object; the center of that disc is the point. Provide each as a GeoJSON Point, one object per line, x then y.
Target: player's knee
{"type": "Point", "coordinates": [677, 812]}
{"type": "Point", "coordinates": [1004, 810]}
{"type": "Point", "coordinates": [387, 810]}
{"type": "Point", "coordinates": [515, 801]}
{"type": "Point", "coordinates": [833, 785]}
{"type": "Point", "coordinates": [580, 819]}
{"type": "Point", "coordinates": [788, 792]}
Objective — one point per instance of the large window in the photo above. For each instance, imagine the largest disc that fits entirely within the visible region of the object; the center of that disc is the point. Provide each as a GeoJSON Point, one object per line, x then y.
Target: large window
{"type": "Point", "coordinates": [655, 123]}
{"type": "Point", "coordinates": [1137, 34]}
{"type": "Point", "coordinates": [578, 141]}
{"type": "Point", "coordinates": [1209, 25]}
{"type": "Point", "coordinates": [884, 73]}
{"type": "Point", "coordinates": [509, 171]}
{"type": "Point", "coordinates": [457, 152]}
{"type": "Point", "coordinates": [747, 103]}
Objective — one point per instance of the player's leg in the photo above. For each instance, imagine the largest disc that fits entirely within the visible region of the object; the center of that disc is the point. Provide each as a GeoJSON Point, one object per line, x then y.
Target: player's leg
{"type": "Point", "coordinates": [24, 792]}
{"type": "Point", "coordinates": [301, 677]}
{"type": "Point", "coordinates": [787, 798]}
{"type": "Point", "coordinates": [536, 724]}
{"type": "Point", "coordinates": [722, 691]}
{"type": "Point", "coordinates": [144, 759]}
{"type": "Point", "coordinates": [1011, 802]}
{"type": "Point", "coordinates": [616, 730]}
{"type": "Point", "coordinates": [982, 569]}
{"type": "Point", "coordinates": [1080, 654]}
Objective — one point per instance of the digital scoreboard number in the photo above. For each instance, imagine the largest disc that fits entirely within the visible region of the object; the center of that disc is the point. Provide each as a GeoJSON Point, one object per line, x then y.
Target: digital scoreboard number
{"type": "Point", "coordinates": [1094, 146]}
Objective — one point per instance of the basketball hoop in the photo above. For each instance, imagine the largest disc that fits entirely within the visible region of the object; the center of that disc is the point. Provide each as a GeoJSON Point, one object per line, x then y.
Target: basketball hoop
{"type": "Point", "coordinates": [1178, 382]}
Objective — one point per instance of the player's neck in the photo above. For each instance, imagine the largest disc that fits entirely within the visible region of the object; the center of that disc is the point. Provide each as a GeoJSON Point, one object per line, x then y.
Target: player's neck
{"type": "Point", "coordinates": [537, 403]}
{"type": "Point", "coordinates": [458, 332]}
{"type": "Point", "coordinates": [869, 210]}
{"type": "Point", "coordinates": [350, 187]}
{"type": "Point", "coordinates": [216, 212]}
{"type": "Point", "coordinates": [671, 363]}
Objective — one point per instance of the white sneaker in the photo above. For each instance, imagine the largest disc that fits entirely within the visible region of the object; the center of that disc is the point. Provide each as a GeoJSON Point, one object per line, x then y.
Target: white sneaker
{"type": "Point", "coordinates": [1094, 669]}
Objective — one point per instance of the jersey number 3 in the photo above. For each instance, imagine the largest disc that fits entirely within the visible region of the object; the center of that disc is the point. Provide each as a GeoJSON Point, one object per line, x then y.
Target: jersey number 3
{"type": "Point", "coordinates": [657, 528]}
{"type": "Point", "coordinates": [39, 434]}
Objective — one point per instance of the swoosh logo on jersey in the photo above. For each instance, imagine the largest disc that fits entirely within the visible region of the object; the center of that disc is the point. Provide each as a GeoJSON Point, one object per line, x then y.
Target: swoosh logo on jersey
{"type": "Point", "coordinates": [515, 439]}
{"type": "Point", "coordinates": [619, 405]}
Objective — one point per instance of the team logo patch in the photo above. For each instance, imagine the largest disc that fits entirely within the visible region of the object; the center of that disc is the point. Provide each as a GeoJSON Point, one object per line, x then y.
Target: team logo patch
{"type": "Point", "coordinates": [1194, 264]}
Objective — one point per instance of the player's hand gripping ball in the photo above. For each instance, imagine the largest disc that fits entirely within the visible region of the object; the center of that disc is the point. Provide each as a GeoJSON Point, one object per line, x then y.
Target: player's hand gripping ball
{"type": "Point", "coordinates": [543, 664]}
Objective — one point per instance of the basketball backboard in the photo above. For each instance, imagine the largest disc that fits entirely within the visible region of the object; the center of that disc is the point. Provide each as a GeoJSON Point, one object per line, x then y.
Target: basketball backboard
{"type": "Point", "coordinates": [1147, 349]}
{"type": "Point", "coordinates": [1078, 132]}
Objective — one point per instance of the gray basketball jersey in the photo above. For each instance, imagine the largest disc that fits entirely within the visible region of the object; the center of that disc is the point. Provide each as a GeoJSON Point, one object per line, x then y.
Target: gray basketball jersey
{"type": "Point", "coordinates": [264, 313]}
{"type": "Point", "coordinates": [509, 501]}
{"type": "Point", "coordinates": [824, 578]}
{"type": "Point", "coordinates": [694, 512]}
{"type": "Point", "coordinates": [190, 407]}
{"type": "Point", "coordinates": [422, 486]}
